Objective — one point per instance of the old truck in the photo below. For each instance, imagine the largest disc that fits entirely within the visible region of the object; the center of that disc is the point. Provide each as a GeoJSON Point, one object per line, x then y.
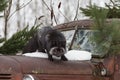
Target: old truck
{"type": "Point", "coordinates": [32, 68]}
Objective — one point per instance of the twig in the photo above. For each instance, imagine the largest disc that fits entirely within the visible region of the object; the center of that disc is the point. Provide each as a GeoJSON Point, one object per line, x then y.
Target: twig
{"type": "Point", "coordinates": [77, 10]}
{"type": "Point", "coordinates": [50, 11]}
{"type": "Point", "coordinates": [19, 9]}
{"type": "Point", "coordinates": [76, 30]}
{"type": "Point", "coordinates": [35, 21]}
{"type": "Point", "coordinates": [46, 5]}
{"type": "Point", "coordinates": [112, 2]}
{"type": "Point", "coordinates": [6, 15]}
{"type": "Point", "coordinates": [61, 12]}
{"type": "Point", "coordinates": [64, 15]}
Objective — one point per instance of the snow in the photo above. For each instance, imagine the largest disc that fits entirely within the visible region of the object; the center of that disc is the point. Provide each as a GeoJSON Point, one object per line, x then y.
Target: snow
{"type": "Point", "coordinates": [78, 55]}
{"type": "Point", "coordinates": [71, 55]}
{"type": "Point", "coordinates": [36, 54]}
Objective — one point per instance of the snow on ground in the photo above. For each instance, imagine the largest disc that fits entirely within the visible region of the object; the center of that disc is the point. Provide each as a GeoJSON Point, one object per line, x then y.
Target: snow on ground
{"type": "Point", "coordinates": [71, 55]}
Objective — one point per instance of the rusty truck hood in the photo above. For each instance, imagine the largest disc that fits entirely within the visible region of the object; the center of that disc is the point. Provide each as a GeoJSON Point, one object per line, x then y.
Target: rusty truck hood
{"type": "Point", "coordinates": [10, 64]}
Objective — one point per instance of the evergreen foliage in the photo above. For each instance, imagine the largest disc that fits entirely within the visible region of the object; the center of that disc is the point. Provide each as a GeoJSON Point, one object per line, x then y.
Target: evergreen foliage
{"type": "Point", "coordinates": [107, 35]}
{"type": "Point", "coordinates": [3, 5]}
{"type": "Point", "coordinates": [17, 41]}
{"type": "Point", "coordinates": [113, 9]}
{"type": "Point", "coordinates": [2, 40]}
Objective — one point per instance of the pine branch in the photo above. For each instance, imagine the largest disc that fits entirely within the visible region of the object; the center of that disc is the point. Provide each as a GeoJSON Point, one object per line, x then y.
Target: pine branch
{"type": "Point", "coordinates": [3, 5]}
{"type": "Point", "coordinates": [108, 33]}
{"type": "Point", "coordinates": [17, 41]}
{"type": "Point", "coordinates": [113, 9]}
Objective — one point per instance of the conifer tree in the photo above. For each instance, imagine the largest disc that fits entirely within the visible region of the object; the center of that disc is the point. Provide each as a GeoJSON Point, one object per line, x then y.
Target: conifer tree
{"type": "Point", "coordinates": [107, 35]}
{"type": "Point", "coordinates": [17, 41]}
{"type": "Point", "coordinates": [3, 5]}
{"type": "Point", "coordinates": [113, 9]}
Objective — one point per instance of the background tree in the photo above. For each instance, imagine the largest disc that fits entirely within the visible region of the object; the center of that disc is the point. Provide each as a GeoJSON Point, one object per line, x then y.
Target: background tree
{"type": "Point", "coordinates": [107, 36]}
{"type": "Point", "coordinates": [18, 14]}
{"type": "Point", "coordinates": [3, 5]}
{"type": "Point", "coordinates": [6, 17]}
{"type": "Point", "coordinates": [16, 43]}
{"type": "Point", "coordinates": [113, 9]}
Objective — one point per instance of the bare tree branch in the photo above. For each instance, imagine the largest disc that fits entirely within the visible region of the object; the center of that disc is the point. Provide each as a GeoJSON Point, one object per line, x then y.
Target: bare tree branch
{"type": "Point", "coordinates": [63, 15]}
{"type": "Point", "coordinates": [22, 6]}
{"type": "Point", "coordinates": [18, 14]}
{"type": "Point", "coordinates": [6, 15]}
{"type": "Point", "coordinates": [61, 12]}
{"type": "Point", "coordinates": [46, 5]}
{"type": "Point", "coordinates": [77, 11]}
{"type": "Point", "coordinates": [52, 13]}
{"type": "Point", "coordinates": [50, 10]}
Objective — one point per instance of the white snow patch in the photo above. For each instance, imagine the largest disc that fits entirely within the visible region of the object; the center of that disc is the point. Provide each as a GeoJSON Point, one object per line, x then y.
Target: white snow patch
{"type": "Point", "coordinates": [78, 55]}
{"type": "Point", "coordinates": [71, 55]}
{"type": "Point", "coordinates": [36, 54]}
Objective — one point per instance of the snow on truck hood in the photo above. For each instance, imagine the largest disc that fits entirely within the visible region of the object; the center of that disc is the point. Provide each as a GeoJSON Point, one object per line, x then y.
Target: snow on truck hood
{"type": "Point", "coordinates": [71, 55]}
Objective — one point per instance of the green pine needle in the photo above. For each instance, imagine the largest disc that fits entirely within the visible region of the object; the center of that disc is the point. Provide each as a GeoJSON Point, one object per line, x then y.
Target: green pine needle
{"type": "Point", "coordinates": [17, 41]}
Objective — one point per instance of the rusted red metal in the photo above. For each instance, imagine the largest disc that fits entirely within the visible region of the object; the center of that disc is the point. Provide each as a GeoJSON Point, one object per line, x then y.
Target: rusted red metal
{"type": "Point", "coordinates": [65, 77]}
{"type": "Point", "coordinates": [9, 65]}
{"type": "Point", "coordinates": [117, 68]}
{"type": "Point", "coordinates": [17, 76]}
{"type": "Point", "coordinates": [82, 24]}
{"type": "Point", "coordinates": [109, 63]}
{"type": "Point", "coordinates": [18, 66]}
{"type": "Point", "coordinates": [44, 66]}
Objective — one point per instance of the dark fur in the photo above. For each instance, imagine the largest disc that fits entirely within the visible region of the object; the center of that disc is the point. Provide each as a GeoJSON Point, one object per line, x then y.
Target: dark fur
{"type": "Point", "coordinates": [47, 40]}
